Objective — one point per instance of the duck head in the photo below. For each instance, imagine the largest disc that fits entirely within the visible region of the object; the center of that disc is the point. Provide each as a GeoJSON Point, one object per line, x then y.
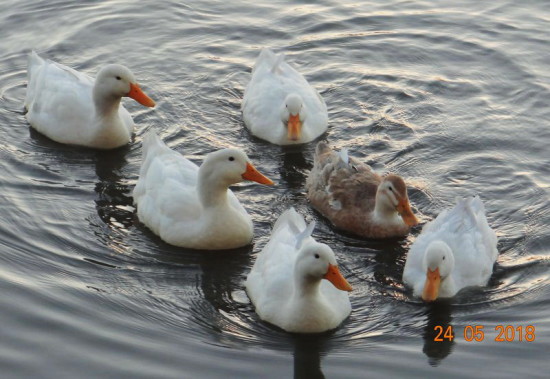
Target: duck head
{"type": "Point", "coordinates": [392, 196]}
{"type": "Point", "coordinates": [230, 166]}
{"type": "Point", "coordinates": [116, 81]}
{"type": "Point", "coordinates": [438, 263]}
{"type": "Point", "coordinates": [315, 262]}
{"type": "Point", "coordinates": [293, 116]}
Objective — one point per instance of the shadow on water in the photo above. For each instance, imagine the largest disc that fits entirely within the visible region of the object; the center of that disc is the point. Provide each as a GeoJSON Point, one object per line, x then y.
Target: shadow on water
{"type": "Point", "coordinates": [307, 355]}
{"type": "Point", "coordinates": [42, 142]}
{"type": "Point", "coordinates": [295, 166]}
{"type": "Point", "coordinates": [223, 274]}
{"type": "Point", "coordinates": [436, 346]}
{"type": "Point", "coordinates": [114, 201]}
{"type": "Point", "coordinates": [388, 263]}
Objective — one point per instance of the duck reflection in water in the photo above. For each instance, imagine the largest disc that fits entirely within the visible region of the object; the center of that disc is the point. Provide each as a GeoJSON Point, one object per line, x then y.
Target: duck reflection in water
{"type": "Point", "coordinates": [439, 315]}
{"type": "Point", "coordinates": [222, 278]}
{"type": "Point", "coordinates": [294, 166]}
{"type": "Point", "coordinates": [114, 195]}
{"type": "Point", "coordinates": [308, 349]}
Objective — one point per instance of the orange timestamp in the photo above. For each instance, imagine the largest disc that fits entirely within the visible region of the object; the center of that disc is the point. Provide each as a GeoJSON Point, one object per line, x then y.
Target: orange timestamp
{"type": "Point", "coordinates": [476, 333]}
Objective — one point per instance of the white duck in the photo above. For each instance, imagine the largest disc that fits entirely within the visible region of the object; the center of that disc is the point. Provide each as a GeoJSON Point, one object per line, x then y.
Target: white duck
{"type": "Point", "coordinates": [70, 107]}
{"type": "Point", "coordinates": [279, 105]}
{"type": "Point", "coordinates": [456, 250]}
{"type": "Point", "coordinates": [192, 207]}
{"type": "Point", "coordinates": [286, 282]}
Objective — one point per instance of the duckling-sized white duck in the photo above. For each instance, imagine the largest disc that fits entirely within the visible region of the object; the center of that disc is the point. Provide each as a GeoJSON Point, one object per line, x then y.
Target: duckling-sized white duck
{"type": "Point", "coordinates": [355, 198]}
{"type": "Point", "coordinates": [71, 107]}
{"type": "Point", "coordinates": [456, 250]}
{"type": "Point", "coordinates": [192, 207]}
{"type": "Point", "coordinates": [279, 105]}
{"type": "Point", "coordinates": [286, 282]}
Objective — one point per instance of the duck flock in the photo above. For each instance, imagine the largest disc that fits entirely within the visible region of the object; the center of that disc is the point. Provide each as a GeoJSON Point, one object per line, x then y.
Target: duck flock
{"type": "Point", "coordinates": [193, 207]}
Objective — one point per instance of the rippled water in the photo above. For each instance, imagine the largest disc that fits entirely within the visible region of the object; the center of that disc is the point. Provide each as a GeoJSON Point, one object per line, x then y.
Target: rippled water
{"type": "Point", "coordinates": [453, 98]}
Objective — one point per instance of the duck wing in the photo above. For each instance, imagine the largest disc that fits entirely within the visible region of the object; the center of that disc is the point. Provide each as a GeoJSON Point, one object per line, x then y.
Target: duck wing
{"type": "Point", "coordinates": [272, 80]}
{"type": "Point", "coordinates": [58, 100]}
{"type": "Point", "coordinates": [166, 189]}
{"type": "Point", "coordinates": [271, 280]}
{"type": "Point", "coordinates": [339, 186]}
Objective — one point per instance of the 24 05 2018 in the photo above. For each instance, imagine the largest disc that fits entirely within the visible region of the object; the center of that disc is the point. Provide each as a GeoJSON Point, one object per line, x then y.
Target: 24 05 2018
{"type": "Point", "coordinates": [476, 333]}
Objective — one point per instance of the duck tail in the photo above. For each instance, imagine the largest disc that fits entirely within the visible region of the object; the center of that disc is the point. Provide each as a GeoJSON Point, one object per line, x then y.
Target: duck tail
{"type": "Point", "coordinates": [266, 54]}
{"type": "Point", "coordinates": [291, 218]}
{"type": "Point", "coordinates": [475, 209]}
{"type": "Point", "coordinates": [151, 145]}
{"type": "Point", "coordinates": [34, 62]}
{"type": "Point", "coordinates": [150, 139]}
{"type": "Point", "coordinates": [266, 58]}
{"type": "Point", "coordinates": [305, 234]}
{"type": "Point", "coordinates": [278, 60]}
{"type": "Point", "coordinates": [344, 156]}
{"type": "Point", "coordinates": [322, 148]}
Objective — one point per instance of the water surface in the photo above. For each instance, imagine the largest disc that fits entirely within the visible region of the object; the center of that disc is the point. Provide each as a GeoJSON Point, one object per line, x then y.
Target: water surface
{"type": "Point", "coordinates": [452, 97]}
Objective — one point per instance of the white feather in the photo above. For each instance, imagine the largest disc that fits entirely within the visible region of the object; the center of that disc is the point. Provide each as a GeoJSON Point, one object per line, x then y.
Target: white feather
{"type": "Point", "coordinates": [60, 104]}
{"type": "Point", "coordinates": [274, 287]}
{"type": "Point", "coordinates": [170, 198]}
{"type": "Point", "coordinates": [465, 229]}
{"type": "Point", "coordinates": [272, 80]}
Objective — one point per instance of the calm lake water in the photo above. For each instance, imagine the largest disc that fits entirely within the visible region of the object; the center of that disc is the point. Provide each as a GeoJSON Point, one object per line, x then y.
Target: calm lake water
{"type": "Point", "coordinates": [455, 98]}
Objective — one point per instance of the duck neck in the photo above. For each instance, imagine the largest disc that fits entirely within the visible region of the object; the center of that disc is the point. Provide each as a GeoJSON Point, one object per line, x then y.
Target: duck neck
{"type": "Point", "coordinates": [305, 287]}
{"type": "Point", "coordinates": [212, 192]}
{"type": "Point", "coordinates": [382, 210]}
{"type": "Point", "coordinates": [106, 106]}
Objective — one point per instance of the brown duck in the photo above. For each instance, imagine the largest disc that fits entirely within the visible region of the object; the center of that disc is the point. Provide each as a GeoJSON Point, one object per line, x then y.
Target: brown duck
{"type": "Point", "coordinates": [355, 198]}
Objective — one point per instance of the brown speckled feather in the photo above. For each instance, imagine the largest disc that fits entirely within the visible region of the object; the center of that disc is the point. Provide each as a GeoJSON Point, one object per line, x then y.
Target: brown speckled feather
{"type": "Point", "coordinates": [346, 193]}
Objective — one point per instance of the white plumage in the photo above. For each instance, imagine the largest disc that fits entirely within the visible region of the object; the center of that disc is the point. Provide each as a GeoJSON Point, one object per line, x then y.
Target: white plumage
{"type": "Point", "coordinates": [460, 244]}
{"type": "Point", "coordinates": [286, 282]}
{"type": "Point", "coordinates": [73, 108]}
{"type": "Point", "coordinates": [191, 207]}
{"type": "Point", "coordinates": [276, 97]}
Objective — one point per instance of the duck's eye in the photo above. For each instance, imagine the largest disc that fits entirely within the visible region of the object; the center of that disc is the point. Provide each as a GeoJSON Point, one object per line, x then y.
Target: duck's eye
{"type": "Point", "coordinates": [231, 159]}
{"type": "Point", "coordinates": [391, 189]}
{"type": "Point", "coordinates": [443, 257]}
{"type": "Point", "coordinates": [118, 78]}
{"type": "Point", "coordinates": [316, 256]}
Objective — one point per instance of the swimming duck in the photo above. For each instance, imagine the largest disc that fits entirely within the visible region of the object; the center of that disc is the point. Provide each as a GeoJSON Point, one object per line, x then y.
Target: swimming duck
{"type": "Point", "coordinates": [355, 198]}
{"type": "Point", "coordinates": [279, 105]}
{"type": "Point", "coordinates": [456, 250]}
{"type": "Point", "coordinates": [71, 107]}
{"type": "Point", "coordinates": [286, 282]}
{"type": "Point", "coordinates": [192, 207]}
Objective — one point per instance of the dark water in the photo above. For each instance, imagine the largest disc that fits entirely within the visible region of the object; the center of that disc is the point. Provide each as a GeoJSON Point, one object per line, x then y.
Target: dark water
{"type": "Point", "coordinates": [453, 98]}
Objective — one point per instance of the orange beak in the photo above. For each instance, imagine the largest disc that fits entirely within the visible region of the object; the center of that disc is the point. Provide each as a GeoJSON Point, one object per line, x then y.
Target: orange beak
{"type": "Point", "coordinates": [404, 209]}
{"type": "Point", "coordinates": [138, 95]}
{"type": "Point", "coordinates": [431, 287]}
{"type": "Point", "coordinates": [334, 276]}
{"type": "Point", "coordinates": [294, 127]}
{"type": "Point", "coordinates": [254, 175]}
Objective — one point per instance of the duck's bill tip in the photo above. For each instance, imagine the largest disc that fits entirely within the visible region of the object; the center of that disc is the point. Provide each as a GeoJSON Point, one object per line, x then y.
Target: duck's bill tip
{"type": "Point", "coordinates": [404, 210]}
{"type": "Point", "coordinates": [410, 219]}
{"type": "Point", "coordinates": [334, 276]}
{"type": "Point", "coordinates": [431, 286]}
{"type": "Point", "coordinates": [254, 175]}
{"type": "Point", "coordinates": [294, 127]}
{"type": "Point", "coordinates": [138, 95]}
